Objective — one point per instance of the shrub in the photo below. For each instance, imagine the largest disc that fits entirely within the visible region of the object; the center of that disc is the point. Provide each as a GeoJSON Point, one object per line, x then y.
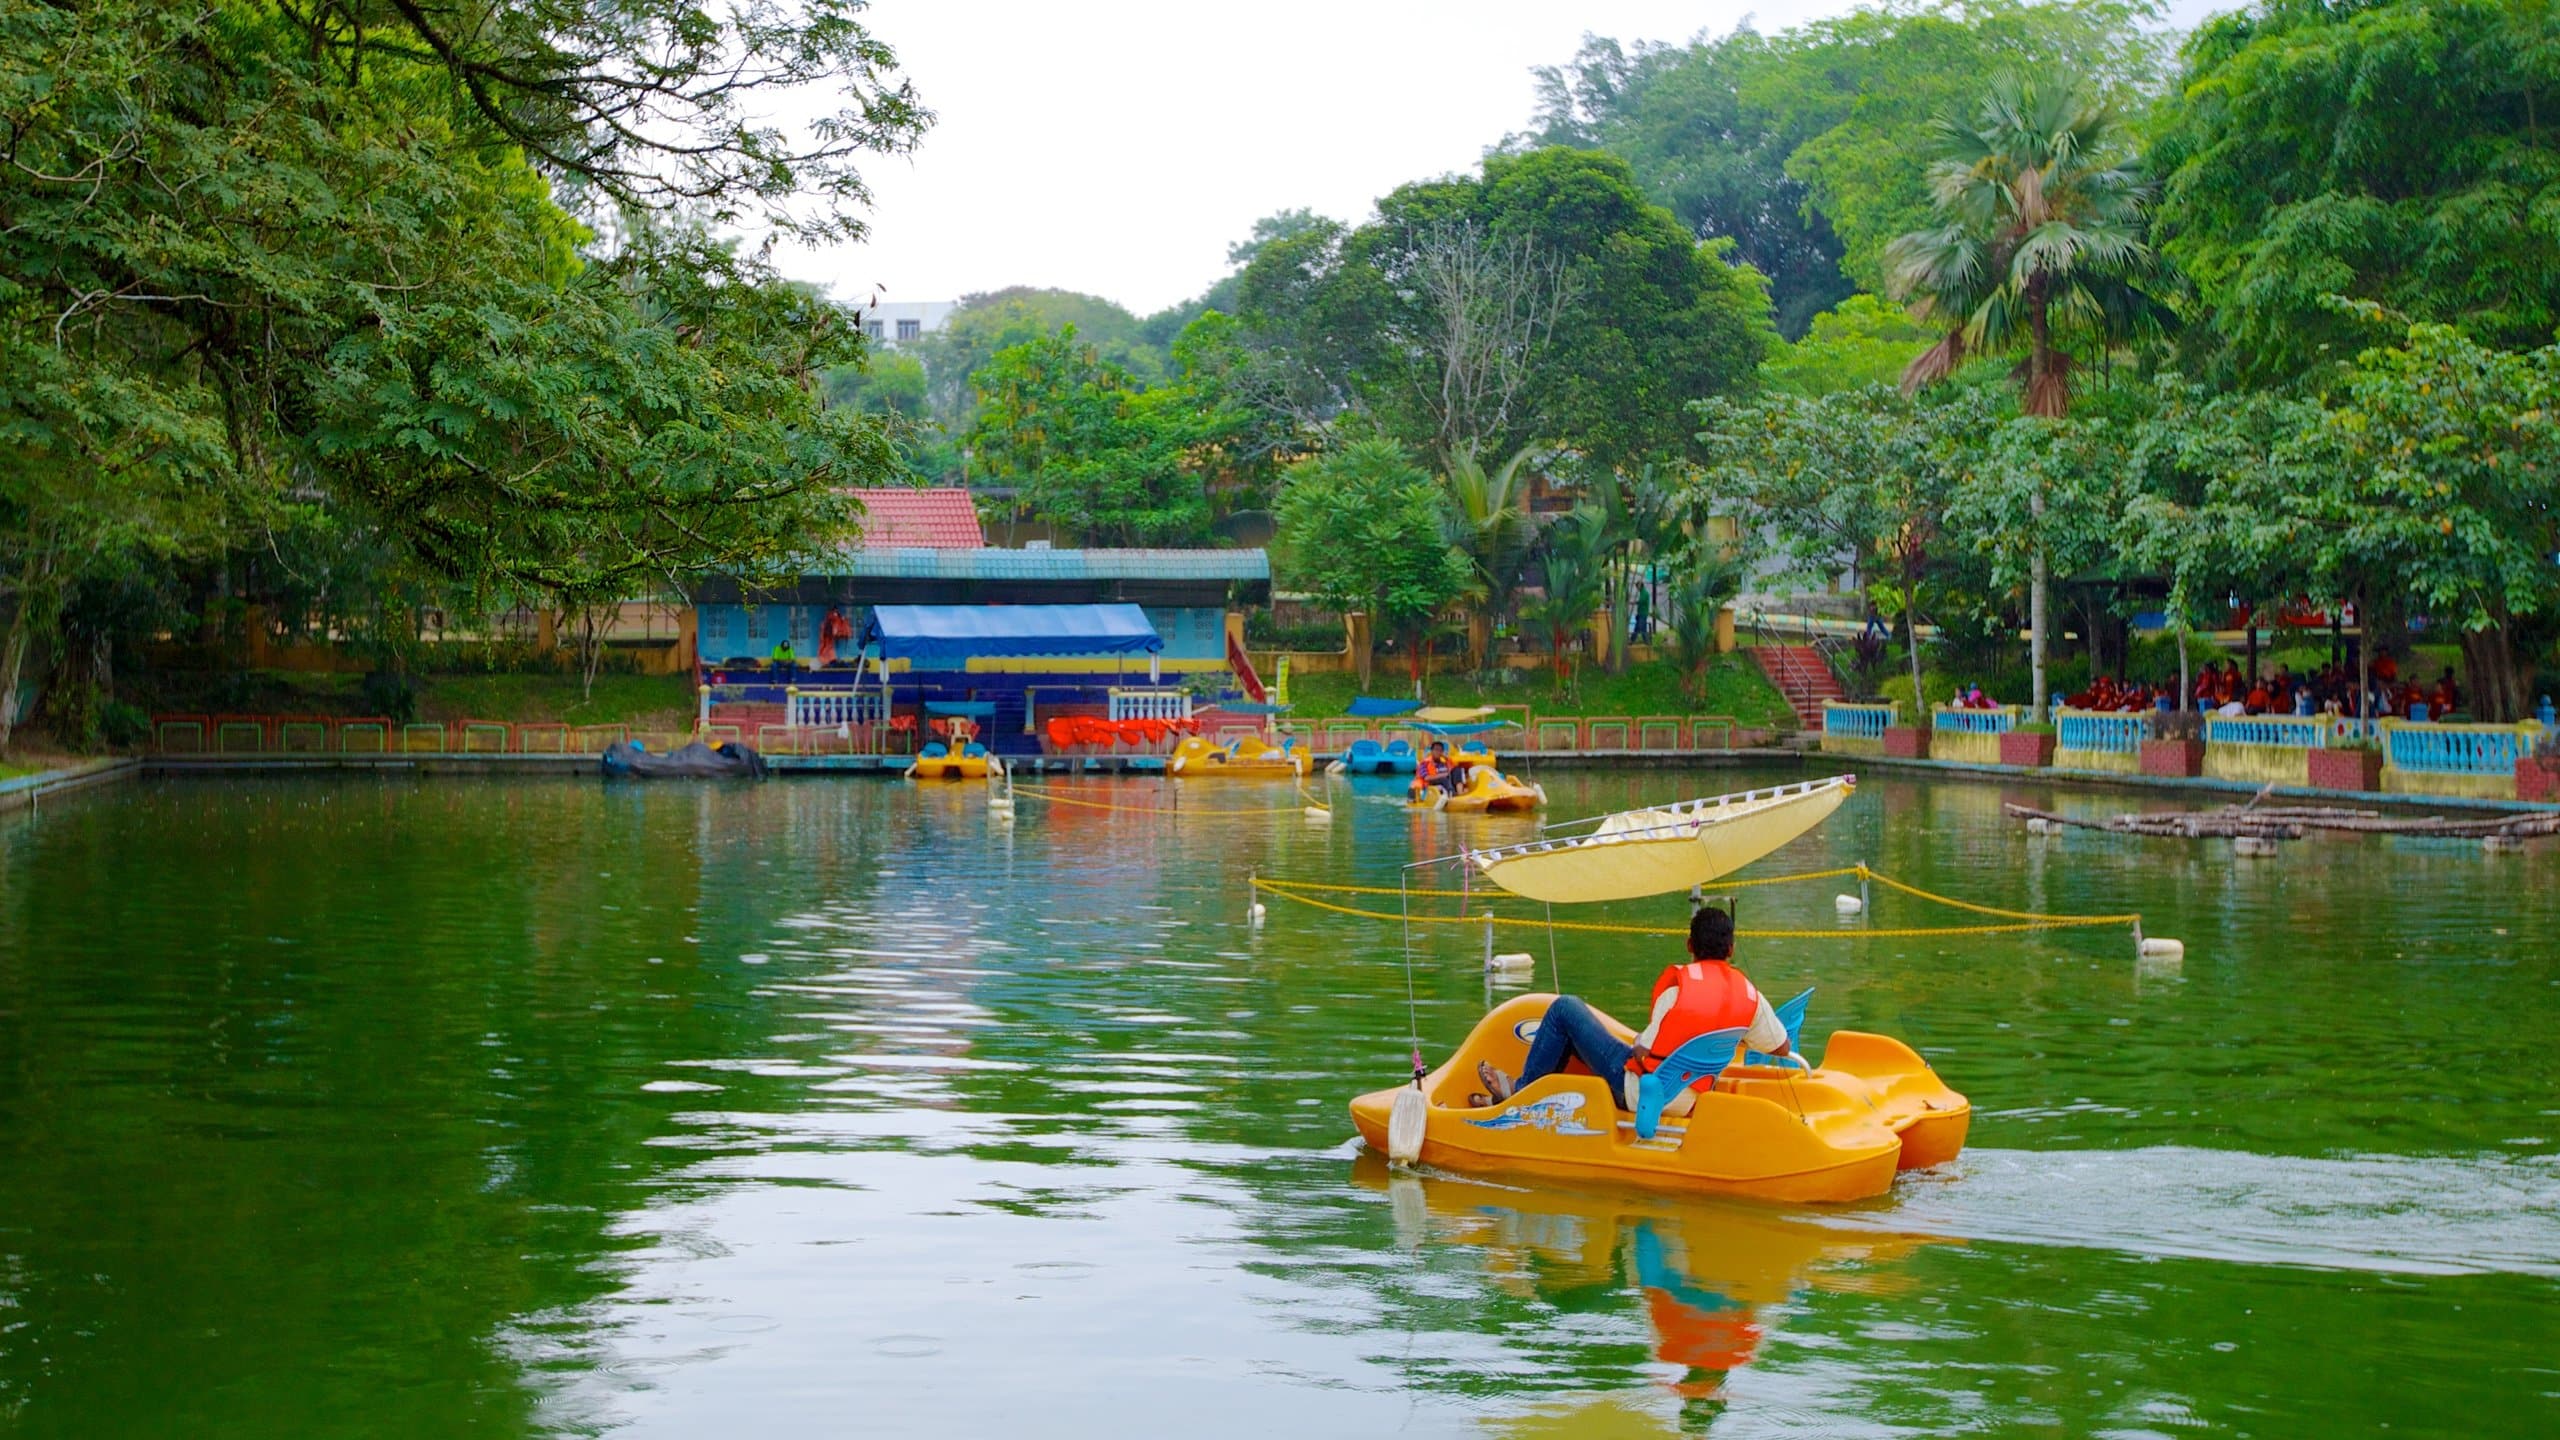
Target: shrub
{"type": "Point", "coordinates": [392, 695]}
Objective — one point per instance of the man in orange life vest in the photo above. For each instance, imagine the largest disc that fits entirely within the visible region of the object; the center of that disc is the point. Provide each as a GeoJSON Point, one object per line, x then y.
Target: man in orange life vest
{"type": "Point", "coordinates": [1707, 994]}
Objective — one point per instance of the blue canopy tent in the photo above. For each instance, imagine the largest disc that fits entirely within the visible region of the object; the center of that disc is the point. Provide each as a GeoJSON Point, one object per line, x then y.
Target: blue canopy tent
{"type": "Point", "coordinates": [1373, 706]}
{"type": "Point", "coordinates": [945, 638]}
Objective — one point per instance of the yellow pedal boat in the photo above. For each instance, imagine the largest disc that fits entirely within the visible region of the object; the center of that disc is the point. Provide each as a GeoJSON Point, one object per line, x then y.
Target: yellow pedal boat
{"type": "Point", "coordinates": [1247, 757]}
{"type": "Point", "coordinates": [1487, 791]}
{"type": "Point", "coordinates": [1870, 1110]}
{"type": "Point", "coordinates": [939, 762]}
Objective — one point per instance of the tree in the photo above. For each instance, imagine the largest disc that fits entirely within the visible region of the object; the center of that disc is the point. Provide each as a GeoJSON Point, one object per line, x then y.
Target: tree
{"type": "Point", "coordinates": [2401, 152]}
{"type": "Point", "coordinates": [1862, 341]}
{"type": "Point", "coordinates": [1087, 450]}
{"type": "Point", "coordinates": [1851, 483]}
{"type": "Point", "coordinates": [1806, 147]}
{"type": "Point", "coordinates": [1703, 582]}
{"type": "Point", "coordinates": [285, 272]}
{"type": "Point", "coordinates": [1488, 522]}
{"type": "Point", "coordinates": [1439, 323]}
{"type": "Point", "coordinates": [1359, 530]}
{"type": "Point", "coordinates": [2438, 466]}
{"type": "Point", "coordinates": [1574, 556]}
{"type": "Point", "coordinates": [2039, 245]}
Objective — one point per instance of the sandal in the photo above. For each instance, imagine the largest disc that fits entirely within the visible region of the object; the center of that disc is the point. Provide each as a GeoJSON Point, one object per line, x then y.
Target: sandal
{"type": "Point", "coordinates": [1496, 1084]}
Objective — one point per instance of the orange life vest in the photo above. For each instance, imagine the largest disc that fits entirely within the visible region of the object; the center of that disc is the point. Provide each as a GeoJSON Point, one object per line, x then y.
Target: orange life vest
{"type": "Point", "coordinates": [1713, 996]}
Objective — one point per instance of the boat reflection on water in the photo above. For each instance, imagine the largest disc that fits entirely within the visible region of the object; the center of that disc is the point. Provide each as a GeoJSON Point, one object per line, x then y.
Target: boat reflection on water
{"type": "Point", "coordinates": [1710, 1278]}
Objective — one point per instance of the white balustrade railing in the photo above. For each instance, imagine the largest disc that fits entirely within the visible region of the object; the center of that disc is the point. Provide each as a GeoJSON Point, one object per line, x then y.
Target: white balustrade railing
{"type": "Point", "coordinates": [821, 709]}
{"type": "Point", "coordinates": [1150, 704]}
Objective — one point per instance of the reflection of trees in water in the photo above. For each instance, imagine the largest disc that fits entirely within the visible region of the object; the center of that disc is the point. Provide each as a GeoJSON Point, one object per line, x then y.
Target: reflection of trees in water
{"type": "Point", "coordinates": [311, 1088]}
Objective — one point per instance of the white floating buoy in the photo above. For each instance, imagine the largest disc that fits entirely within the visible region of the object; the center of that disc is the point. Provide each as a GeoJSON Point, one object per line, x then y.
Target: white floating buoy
{"type": "Point", "coordinates": [1406, 1120]}
{"type": "Point", "coordinates": [2038, 825]}
{"type": "Point", "coordinates": [1848, 904]}
{"type": "Point", "coordinates": [2163, 948]}
{"type": "Point", "coordinates": [2500, 844]}
{"type": "Point", "coordinates": [1255, 914]}
{"type": "Point", "coordinates": [2258, 845]}
{"type": "Point", "coordinates": [1511, 960]}
{"type": "Point", "coordinates": [1319, 815]}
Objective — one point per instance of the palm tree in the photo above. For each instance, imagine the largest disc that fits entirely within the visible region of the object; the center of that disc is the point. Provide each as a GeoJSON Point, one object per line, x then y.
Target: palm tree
{"type": "Point", "coordinates": [2041, 244]}
{"type": "Point", "coordinates": [1577, 560]}
{"type": "Point", "coordinates": [1489, 521]}
{"type": "Point", "coordinates": [1705, 584]}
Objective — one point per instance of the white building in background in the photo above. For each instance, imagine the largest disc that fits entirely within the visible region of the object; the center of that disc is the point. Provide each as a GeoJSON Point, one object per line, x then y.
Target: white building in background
{"type": "Point", "coordinates": [892, 322]}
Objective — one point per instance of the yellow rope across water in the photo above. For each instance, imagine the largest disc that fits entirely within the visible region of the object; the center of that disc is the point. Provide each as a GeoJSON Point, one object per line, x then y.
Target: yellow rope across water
{"type": "Point", "coordinates": [1305, 892]}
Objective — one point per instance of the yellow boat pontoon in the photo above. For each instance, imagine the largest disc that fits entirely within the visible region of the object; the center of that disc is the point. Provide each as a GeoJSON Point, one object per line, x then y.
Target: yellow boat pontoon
{"type": "Point", "coordinates": [1487, 790]}
{"type": "Point", "coordinates": [938, 761]}
{"type": "Point", "coordinates": [1245, 758]}
{"type": "Point", "coordinates": [1839, 1130]}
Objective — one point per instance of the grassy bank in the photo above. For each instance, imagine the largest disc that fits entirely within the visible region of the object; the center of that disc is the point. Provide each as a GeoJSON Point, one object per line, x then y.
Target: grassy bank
{"type": "Point", "coordinates": [1733, 686]}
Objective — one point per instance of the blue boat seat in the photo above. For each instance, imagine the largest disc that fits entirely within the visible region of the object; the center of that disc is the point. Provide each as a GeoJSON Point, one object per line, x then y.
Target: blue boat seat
{"type": "Point", "coordinates": [1701, 1059]}
{"type": "Point", "coordinates": [933, 751]}
{"type": "Point", "coordinates": [1790, 1015]}
{"type": "Point", "coordinates": [1362, 749]}
{"type": "Point", "coordinates": [1398, 749]}
{"type": "Point", "coordinates": [975, 751]}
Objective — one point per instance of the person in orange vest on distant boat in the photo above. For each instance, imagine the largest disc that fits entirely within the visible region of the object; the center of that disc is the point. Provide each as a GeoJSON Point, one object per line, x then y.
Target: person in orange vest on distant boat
{"type": "Point", "coordinates": [1705, 995]}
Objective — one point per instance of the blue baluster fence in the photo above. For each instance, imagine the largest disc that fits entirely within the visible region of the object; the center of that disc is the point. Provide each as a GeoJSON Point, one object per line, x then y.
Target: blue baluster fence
{"type": "Point", "coordinates": [1971, 737]}
{"type": "Point", "coordinates": [2474, 760]}
{"type": "Point", "coordinates": [1855, 729]}
{"type": "Point", "coordinates": [2264, 748]}
{"type": "Point", "coordinates": [2100, 739]}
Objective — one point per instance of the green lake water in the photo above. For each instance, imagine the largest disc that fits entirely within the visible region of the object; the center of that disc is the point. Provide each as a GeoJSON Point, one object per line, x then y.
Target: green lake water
{"type": "Point", "coordinates": [828, 1107]}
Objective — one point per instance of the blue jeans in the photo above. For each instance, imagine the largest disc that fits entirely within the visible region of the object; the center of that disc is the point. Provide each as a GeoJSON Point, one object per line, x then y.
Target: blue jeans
{"type": "Point", "coordinates": [1570, 1031]}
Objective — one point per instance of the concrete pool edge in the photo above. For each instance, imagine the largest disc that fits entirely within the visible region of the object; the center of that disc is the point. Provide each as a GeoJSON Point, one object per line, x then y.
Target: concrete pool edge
{"type": "Point", "coordinates": [26, 790]}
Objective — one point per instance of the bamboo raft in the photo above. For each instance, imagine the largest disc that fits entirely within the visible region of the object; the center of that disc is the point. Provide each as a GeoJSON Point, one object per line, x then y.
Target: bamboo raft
{"type": "Point", "coordinates": [2292, 822]}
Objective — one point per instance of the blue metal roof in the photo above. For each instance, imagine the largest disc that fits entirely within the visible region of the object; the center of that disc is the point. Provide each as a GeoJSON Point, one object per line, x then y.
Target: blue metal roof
{"type": "Point", "coordinates": [947, 636]}
{"type": "Point", "coordinates": [991, 564]}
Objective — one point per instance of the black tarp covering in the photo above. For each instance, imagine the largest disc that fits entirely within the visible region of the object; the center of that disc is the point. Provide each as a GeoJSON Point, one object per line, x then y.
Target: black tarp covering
{"type": "Point", "coordinates": [691, 761]}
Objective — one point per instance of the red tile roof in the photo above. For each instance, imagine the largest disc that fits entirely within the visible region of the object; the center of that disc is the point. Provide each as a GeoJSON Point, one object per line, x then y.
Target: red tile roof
{"type": "Point", "coordinates": [927, 519]}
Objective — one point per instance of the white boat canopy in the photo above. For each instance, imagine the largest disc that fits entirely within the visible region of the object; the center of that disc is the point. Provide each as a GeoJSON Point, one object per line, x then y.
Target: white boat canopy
{"type": "Point", "coordinates": [1664, 850]}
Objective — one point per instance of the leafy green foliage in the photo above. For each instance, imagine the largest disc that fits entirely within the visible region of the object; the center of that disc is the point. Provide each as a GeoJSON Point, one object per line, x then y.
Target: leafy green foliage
{"type": "Point", "coordinates": [1087, 450]}
{"type": "Point", "coordinates": [2402, 153]}
{"type": "Point", "coordinates": [1862, 341]}
{"type": "Point", "coordinates": [1804, 148]}
{"type": "Point", "coordinates": [1546, 299]}
{"type": "Point", "coordinates": [2038, 236]}
{"type": "Point", "coordinates": [284, 281]}
{"type": "Point", "coordinates": [1360, 530]}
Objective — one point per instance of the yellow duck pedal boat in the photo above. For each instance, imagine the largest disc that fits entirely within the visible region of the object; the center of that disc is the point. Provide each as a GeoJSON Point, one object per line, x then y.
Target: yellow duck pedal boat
{"type": "Point", "coordinates": [1248, 757]}
{"type": "Point", "coordinates": [1487, 792]}
{"type": "Point", "coordinates": [940, 762]}
{"type": "Point", "coordinates": [1870, 1110]}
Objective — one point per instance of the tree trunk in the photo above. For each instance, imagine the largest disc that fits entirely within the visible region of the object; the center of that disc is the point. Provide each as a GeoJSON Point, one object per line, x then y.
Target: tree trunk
{"type": "Point", "coordinates": [1911, 639]}
{"type": "Point", "coordinates": [2249, 633]}
{"type": "Point", "coordinates": [2497, 682]}
{"type": "Point", "coordinates": [2039, 610]}
{"type": "Point", "coordinates": [2186, 677]}
{"type": "Point", "coordinates": [2364, 664]}
{"type": "Point", "coordinates": [33, 591]}
{"type": "Point", "coordinates": [13, 662]}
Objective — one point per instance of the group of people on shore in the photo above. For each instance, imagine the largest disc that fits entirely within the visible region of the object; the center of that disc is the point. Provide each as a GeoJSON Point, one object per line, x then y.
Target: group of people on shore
{"type": "Point", "coordinates": [2329, 690]}
{"type": "Point", "coordinates": [2221, 689]}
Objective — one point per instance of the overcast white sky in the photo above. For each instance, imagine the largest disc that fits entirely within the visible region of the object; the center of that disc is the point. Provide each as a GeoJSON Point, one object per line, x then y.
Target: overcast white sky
{"type": "Point", "coordinates": [1118, 147]}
